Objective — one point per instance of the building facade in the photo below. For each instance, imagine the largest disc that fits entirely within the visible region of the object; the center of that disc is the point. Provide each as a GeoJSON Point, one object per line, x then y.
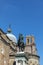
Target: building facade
{"type": "Point", "coordinates": [10, 54]}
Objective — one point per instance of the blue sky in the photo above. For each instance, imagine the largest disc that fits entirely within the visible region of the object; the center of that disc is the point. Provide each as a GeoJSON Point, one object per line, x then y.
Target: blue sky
{"type": "Point", "coordinates": [26, 17]}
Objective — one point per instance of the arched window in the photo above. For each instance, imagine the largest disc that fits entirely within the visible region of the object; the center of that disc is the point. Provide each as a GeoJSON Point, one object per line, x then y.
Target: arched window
{"type": "Point", "coordinates": [27, 40]}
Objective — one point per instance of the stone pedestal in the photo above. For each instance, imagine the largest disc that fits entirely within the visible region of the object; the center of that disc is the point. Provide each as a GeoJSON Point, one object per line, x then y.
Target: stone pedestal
{"type": "Point", "coordinates": [21, 58]}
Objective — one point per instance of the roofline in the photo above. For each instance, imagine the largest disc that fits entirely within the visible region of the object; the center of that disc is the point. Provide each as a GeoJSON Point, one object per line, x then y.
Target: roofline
{"type": "Point", "coordinates": [5, 41]}
{"type": "Point", "coordinates": [32, 54]}
{"type": "Point", "coordinates": [5, 34]}
{"type": "Point", "coordinates": [2, 31]}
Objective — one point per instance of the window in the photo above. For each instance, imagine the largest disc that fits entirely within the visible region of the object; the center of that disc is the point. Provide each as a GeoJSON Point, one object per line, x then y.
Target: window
{"type": "Point", "coordinates": [28, 40]}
